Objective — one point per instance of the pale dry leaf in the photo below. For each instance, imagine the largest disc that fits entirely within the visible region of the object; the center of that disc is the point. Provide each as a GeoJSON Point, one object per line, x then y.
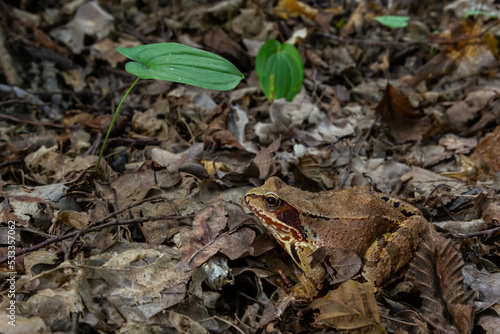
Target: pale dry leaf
{"type": "Point", "coordinates": [90, 19]}
{"type": "Point", "coordinates": [426, 181]}
{"type": "Point", "coordinates": [352, 307]}
{"type": "Point", "coordinates": [24, 203]}
{"type": "Point", "coordinates": [78, 220]}
{"type": "Point", "coordinates": [489, 322]}
{"type": "Point", "coordinates": [486, 285]}
{"type": "Point", "coordinates": [468, 54]}
{"type": "Point", "coordinates": [185, 324]}
{"type": "Point", "coordinates": [293, 8]}
{"type": "Point", "coordinates": [23, 325]}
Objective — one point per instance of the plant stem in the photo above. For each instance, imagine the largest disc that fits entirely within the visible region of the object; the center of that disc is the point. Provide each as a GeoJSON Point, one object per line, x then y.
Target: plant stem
{"type": "Point", "coordinates": [113, 122]}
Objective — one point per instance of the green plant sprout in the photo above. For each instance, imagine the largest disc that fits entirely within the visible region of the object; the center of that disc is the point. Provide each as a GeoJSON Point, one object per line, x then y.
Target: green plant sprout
{"type": "Point", "coordinates": [393, 21]}
{"type": "Point", "coordinates": [280, 70]}
{"type": "Point", "coordinates": [177, 63]}
{"type": "Point", "coordinates": [480, 12]}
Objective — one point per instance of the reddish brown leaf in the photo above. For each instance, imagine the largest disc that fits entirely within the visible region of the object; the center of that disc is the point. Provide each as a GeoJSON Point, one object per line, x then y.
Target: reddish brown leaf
{"type": "Point", "coordinates": [464, 52]}
{"type": "Point", "coordinates": [487, 153]}
{"type": "Point", "coordinates": [406, 123]}
{"type": "Point", "coordinates": [436, 273]}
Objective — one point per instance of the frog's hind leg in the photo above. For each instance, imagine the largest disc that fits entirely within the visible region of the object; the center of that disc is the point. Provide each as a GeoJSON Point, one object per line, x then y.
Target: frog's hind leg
{"type": "Point", "coordinates": [385, 257]}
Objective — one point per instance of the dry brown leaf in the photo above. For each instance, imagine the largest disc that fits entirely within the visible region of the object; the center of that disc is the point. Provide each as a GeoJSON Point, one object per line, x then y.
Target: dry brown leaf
{"type": "Point", "coordinates": [185, 324]}
{"type": "Point", "coordinates": [78, 220]}
{"type": "Point", "coordinates": [468, 169]}
{"type": "Point", "coordinates": [220, 42]}
{"type": "Point", "coordinates": [206, 238]}
{"type": "Point", "coordinates": [24, 325]}
{"type": "Point", "coordinates": [425, 182]}
{"type": "Point", "coordinates": [222, 139]}
{"type": "Point", "coordinates": [351, 307]}
{"type": "Point", "coordinates": [356, 21]}
{"type": "Point", "coordinates": [340, 263]}
{"type": "Point", "coordinates": [464, 52]}
{"type": "Point", "coordinates": [26, 204]}
{"type": "Point", "coordinates": [487, 153]}
{"type": "Point", "coordinates": [293, 8]}
{"type": "Point", "coordinates": [264, 161]}
{"type": "Point", "coordinates": [406, 123]}
{"type": "Point", "coordinates": [6, 267]}
{"type": "Point", "coordinates": [315, 59]}
{"type": "Point", "coordinates": [212, 167]}
{"type": "Point", "coordinates": [233, 245]}
{"type": "Point", "coordinates": [486, 285]}
{"type": "Point", "coordinates": [489, 322]}
{"type": "Point", "coordinates": [309, 167]}
{"type": "Point", "coordinates": [436, 273]}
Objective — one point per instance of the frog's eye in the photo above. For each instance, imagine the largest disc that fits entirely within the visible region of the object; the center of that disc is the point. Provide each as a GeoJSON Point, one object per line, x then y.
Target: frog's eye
{"type": "Point", "coordinates": [272, 200]}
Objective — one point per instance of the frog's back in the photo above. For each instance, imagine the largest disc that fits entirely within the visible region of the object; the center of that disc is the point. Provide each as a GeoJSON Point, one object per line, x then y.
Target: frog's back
{"type": "Point", "coordinates": [351, 218]}
{"type": "Point", "coordinates": [356, 202]}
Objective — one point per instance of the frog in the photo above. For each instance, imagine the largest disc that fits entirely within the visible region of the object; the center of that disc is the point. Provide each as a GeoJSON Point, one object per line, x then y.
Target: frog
{"type": "Point", "coordinates": [383, 231]}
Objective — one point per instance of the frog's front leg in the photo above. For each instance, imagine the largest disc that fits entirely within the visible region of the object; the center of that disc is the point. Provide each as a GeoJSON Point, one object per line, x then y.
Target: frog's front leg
{"type": "Point", "coordinates": [310, 283]}
{"type": "Point", "coordinates": [388, 254]}
{"type": "Point", "coordinates": [312, 280]}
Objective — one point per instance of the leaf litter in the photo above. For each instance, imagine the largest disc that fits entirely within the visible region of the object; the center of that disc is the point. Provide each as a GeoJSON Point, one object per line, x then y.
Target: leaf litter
{"type": "Point", "coordinates": [159, 239]}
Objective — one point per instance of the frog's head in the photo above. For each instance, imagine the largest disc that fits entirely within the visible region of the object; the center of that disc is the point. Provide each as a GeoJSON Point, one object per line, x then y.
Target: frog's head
{"type": "Point", "coordinates": [274, 204]}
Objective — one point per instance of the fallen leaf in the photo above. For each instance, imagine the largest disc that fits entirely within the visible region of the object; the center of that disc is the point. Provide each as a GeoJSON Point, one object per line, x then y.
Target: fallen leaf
{"type": "Point", "coordinates": [293, 8]}
{"type": "Point", "coordinates": [78, 220]}
{"type": "Point", "coordinates": [487, 153]}
{"type": "Point", "coordinates": [90, 19]}
{"type": "Point", "coordinates": [406, 123]}
{"type": "Point", "coordinates": [352, 306]}
{"type": "Point", "coordinates": [436, 273]}
{"type": "Point", "coordinates": [464, 53]}
{"type": "Point", "coordinates": [341, 264]}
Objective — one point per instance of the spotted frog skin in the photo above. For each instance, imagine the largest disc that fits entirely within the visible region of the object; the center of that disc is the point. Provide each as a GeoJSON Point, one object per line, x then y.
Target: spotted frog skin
{"type": "Point", "coordinates": [383, 231]}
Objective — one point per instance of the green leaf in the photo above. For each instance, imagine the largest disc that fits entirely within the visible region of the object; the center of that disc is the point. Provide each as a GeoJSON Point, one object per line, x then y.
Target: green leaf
{"type": "Point", "coordinates": [393, 21]}
{"type": "Point", "coordinates": [479, 12]}
{"type": "Point", "coordinates": [180, 63]}
{"type": "Point", "coordinates": [280, 70]}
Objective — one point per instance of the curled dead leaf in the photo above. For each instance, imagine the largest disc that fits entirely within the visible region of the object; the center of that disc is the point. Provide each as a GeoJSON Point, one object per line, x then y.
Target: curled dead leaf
{"type": "Point", "coordinates": [341, 264]}
{"type": "Point", "coordinates": [465, 52]}
{"type": "Point", "coordinates": [487, 153]}
{"type": "Point", "coordinates": [78, 220]}
{"type": "Point", "coordinates": [436, 273]}
{"type": "Point", "coordinates": [293, 8]}
{"type": "Point", "coordinates": [350, 307]}
{"type": "Point", "coordinates": [406, 122]}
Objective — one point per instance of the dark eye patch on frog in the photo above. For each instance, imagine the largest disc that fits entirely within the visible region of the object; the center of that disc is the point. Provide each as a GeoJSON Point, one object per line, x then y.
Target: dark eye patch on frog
{"type": "Point", "coordinates": [289, 216]}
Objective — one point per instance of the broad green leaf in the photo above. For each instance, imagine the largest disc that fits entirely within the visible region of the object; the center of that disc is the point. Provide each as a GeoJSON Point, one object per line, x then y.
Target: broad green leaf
{"type": "Point", "coordinates": [480, 12]}
{"type": "Point", "coordinates": [180, 63]}
{"type": "Point", "coordinates": [393, 21]}
{"type": "Point", "coordinates": [280, 70]}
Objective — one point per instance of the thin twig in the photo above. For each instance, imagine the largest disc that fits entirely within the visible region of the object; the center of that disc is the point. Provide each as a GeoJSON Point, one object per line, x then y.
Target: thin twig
{"type": "Point", "coordinates": [112, 215]}
{"type": "Point", "coordinates": [114, 222]}
{"type": "Point", "coordinates": [27, 121]}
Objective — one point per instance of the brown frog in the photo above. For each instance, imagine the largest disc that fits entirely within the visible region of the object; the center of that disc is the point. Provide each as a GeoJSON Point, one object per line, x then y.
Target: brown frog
{"type": "Point", "coordinates": [383, 231]}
